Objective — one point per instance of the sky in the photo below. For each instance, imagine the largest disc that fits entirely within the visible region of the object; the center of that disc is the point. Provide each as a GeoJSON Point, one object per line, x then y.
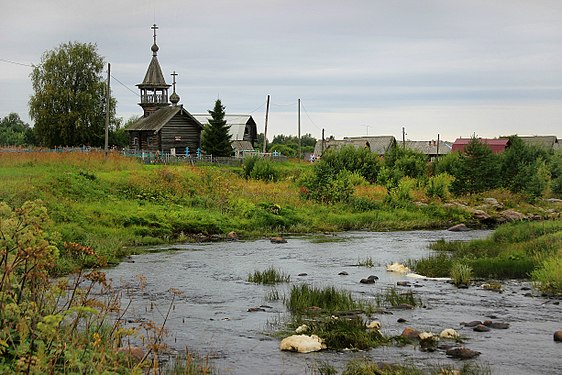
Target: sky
{"type": "Point", "coordinates": [422, 68]}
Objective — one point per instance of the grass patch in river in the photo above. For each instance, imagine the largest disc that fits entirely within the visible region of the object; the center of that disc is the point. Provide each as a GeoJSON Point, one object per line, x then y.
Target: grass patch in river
{"type": "Point", "coordinates": [392, 297]}
{"type": "Point", "coordinates": [366, 262]}
{"type": "Point", "coordinates": [461, 274]}
{"type": "Point", "coordinates": [366, 366]}
{"type": "Point", "coordinates": [269, 276]}
{"type": "Point", "coordinates": [305, 299]}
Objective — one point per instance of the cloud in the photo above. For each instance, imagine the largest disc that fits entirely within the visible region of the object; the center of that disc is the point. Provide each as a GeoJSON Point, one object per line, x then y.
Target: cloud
{"type": "Point", "coordinates": [489, 66]}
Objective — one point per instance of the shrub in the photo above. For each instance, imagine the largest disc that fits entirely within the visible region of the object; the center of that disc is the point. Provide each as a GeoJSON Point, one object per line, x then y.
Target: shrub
{"type": "Point", "coordinates": [438, 186]}
{"type": "Point", "coordinates": [260, 169]}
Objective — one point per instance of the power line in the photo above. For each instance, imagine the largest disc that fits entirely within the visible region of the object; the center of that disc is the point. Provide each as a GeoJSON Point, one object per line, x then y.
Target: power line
{"type": "Point", "coordinates": [307, 115]}
{"type": "Point", "coordinates": [17, 63]}
{"type": "Point", "coordinates": [125, 86]}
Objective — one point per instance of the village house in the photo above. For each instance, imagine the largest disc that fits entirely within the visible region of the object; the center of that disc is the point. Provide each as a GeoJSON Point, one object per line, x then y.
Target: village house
{"type": "Point", "coordinates": [379, 145]}
{"type": "Point", "coordinates": [433, 149]}
{"type": "Point", "coordinates": [496, 145]}
{"type": "Point", "coordinates": [548, 142]}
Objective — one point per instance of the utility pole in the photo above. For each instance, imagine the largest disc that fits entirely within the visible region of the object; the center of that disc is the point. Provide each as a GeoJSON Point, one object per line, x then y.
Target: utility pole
{"type": "Point", "coordinates": [265, 130]}
{"type": "Point", "coordinates": [300, 144]}
{"type": "Point", "coordinates": [107, 109]}
{"type": "Point", "coordinates": [322, 148]}
{"type": "Point", "coordinates": [437, 157]}
{"type": "Point", "coordinates": [403, 138]}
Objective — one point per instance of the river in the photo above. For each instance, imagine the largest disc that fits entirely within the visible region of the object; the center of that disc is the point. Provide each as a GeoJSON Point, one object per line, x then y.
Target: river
{"type": "Point", "coordinates": [210, 313]}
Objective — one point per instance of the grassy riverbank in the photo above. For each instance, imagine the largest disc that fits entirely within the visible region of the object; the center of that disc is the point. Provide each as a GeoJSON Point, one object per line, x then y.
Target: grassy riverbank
{"type": "Point", "coordinates": [114, 204]}
{"type": "Point", "coordinates": [118, 203]}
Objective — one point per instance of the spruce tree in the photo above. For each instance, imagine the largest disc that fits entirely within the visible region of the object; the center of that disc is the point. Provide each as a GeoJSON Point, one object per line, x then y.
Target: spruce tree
{"type": "Point", "coordinates": [216, 134]}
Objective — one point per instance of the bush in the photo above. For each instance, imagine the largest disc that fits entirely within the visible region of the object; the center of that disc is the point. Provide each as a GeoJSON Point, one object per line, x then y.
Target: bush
{"type": "Point", "coordinates": [438, 186]}
{"type": "Point", "coordinates": [260, 169]}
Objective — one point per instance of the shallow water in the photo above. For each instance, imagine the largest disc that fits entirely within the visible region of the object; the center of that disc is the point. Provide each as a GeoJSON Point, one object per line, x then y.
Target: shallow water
{"type": "Point", "coordinates": [211, 315]}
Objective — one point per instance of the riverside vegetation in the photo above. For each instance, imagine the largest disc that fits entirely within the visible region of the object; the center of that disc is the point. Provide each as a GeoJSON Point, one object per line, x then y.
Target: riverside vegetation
{"type": "Point", "coordinates": [82, 211]}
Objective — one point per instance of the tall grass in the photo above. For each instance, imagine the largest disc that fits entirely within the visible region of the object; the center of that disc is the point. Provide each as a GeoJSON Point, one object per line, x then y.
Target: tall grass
{"type": "Point", "coordinates": [461, 274]}
{"type": "Point", "coordinates": [393, 297]}
{"type": "Point", "coordinates": [270, 276]}
{"type": "Point", "coordinates": [304, 297]}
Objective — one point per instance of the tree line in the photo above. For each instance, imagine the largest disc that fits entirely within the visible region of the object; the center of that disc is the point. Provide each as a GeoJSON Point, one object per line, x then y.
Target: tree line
{"type": "Point", "coordinates": [522, 168]}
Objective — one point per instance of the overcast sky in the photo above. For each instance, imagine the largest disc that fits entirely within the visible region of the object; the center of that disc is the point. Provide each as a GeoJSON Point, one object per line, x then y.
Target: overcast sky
{"type": "Point", "coordinates": [360, 67]}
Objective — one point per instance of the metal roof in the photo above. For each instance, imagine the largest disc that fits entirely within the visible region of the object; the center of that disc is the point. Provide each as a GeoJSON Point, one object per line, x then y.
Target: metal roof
{"type": "Point", "coordinates": [237, 123]}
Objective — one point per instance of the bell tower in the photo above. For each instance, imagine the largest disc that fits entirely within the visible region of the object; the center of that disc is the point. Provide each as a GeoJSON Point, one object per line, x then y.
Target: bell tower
{"type": "Point", "coordinates": [153, 89]}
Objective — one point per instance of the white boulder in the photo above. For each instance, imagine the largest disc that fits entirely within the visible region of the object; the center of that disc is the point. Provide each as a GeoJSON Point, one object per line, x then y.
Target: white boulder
{"type": "Point", "coordinates": [301, 329]}
{"type": "Point", "coordinates": [449, 333]}
{"type": "Point", "coordinates": [302, 344]}
{"type": "Point", "coordinates": [397, 267]}
{"type": "Point", "coordinates": [375, 325]}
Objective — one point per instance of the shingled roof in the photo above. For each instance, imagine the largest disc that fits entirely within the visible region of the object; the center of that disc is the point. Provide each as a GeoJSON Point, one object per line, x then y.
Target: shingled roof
{"type": "Point", "coordinates": [158, 119]}
{"type": "Point", "coordinates": [379, 145]}
{"type": "Point", "coordinates": [154, 76]}
{"type": "Point", "coordinates": [428, 147]}
{"type": "Point", "coordinates": [546, 142]}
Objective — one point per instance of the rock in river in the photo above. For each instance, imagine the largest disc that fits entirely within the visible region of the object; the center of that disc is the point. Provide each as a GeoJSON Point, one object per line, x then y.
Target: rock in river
{"type": "Point", "coordinates": [462, 353]}
{"type": "Point", "coordinates": [481, 328]}
{"type": "Point", "coordinates": [278, 239]}
{"type": "Point", "coordinates": [459, 228]}
{"type": "Point", "coordinates": [558, 336]}
{"type": "Point", "coordinates": [496, 325]}
{"type": "Point", "coordinates": [302, 344]}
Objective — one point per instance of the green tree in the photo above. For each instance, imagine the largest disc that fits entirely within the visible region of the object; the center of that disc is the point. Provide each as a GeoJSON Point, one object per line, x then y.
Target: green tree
{"type": "Point", "coordinates": [68, 106]}
{"type": "Point", "coordinates": [288, 145]}
{"type": "Point", "coordinates": [518, 164]}
{"type": "Point", "coordinates": [15, 132]}
{"type": "Point", "coordinates": [478, 169]}
{"type": "Point", "coordinates": [215, 139]}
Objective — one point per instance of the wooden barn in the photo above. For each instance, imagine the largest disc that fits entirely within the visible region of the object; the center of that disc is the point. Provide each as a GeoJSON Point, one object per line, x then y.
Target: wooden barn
{"type": "Point", "coordinates": [165, 127]}
{"type": "Point", "coordinates": [242, 127]}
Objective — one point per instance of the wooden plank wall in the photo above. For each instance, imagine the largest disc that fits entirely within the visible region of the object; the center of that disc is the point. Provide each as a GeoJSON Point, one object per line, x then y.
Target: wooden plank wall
{"type": "Point", "coordinates": [180, 132]}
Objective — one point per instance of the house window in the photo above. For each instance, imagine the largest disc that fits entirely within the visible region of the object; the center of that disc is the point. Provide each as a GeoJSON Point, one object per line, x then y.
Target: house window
{"type": "Point", "coordinates": [135, 141]}
{"type": "Point", "coordinates": [149, 141]}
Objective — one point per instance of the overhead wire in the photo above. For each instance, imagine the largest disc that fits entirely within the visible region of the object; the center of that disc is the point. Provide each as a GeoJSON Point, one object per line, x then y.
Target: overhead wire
{"type": "Point", "coordinates": [17, 63]}
{"type": "Point", "coordinates": [125, 86]}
